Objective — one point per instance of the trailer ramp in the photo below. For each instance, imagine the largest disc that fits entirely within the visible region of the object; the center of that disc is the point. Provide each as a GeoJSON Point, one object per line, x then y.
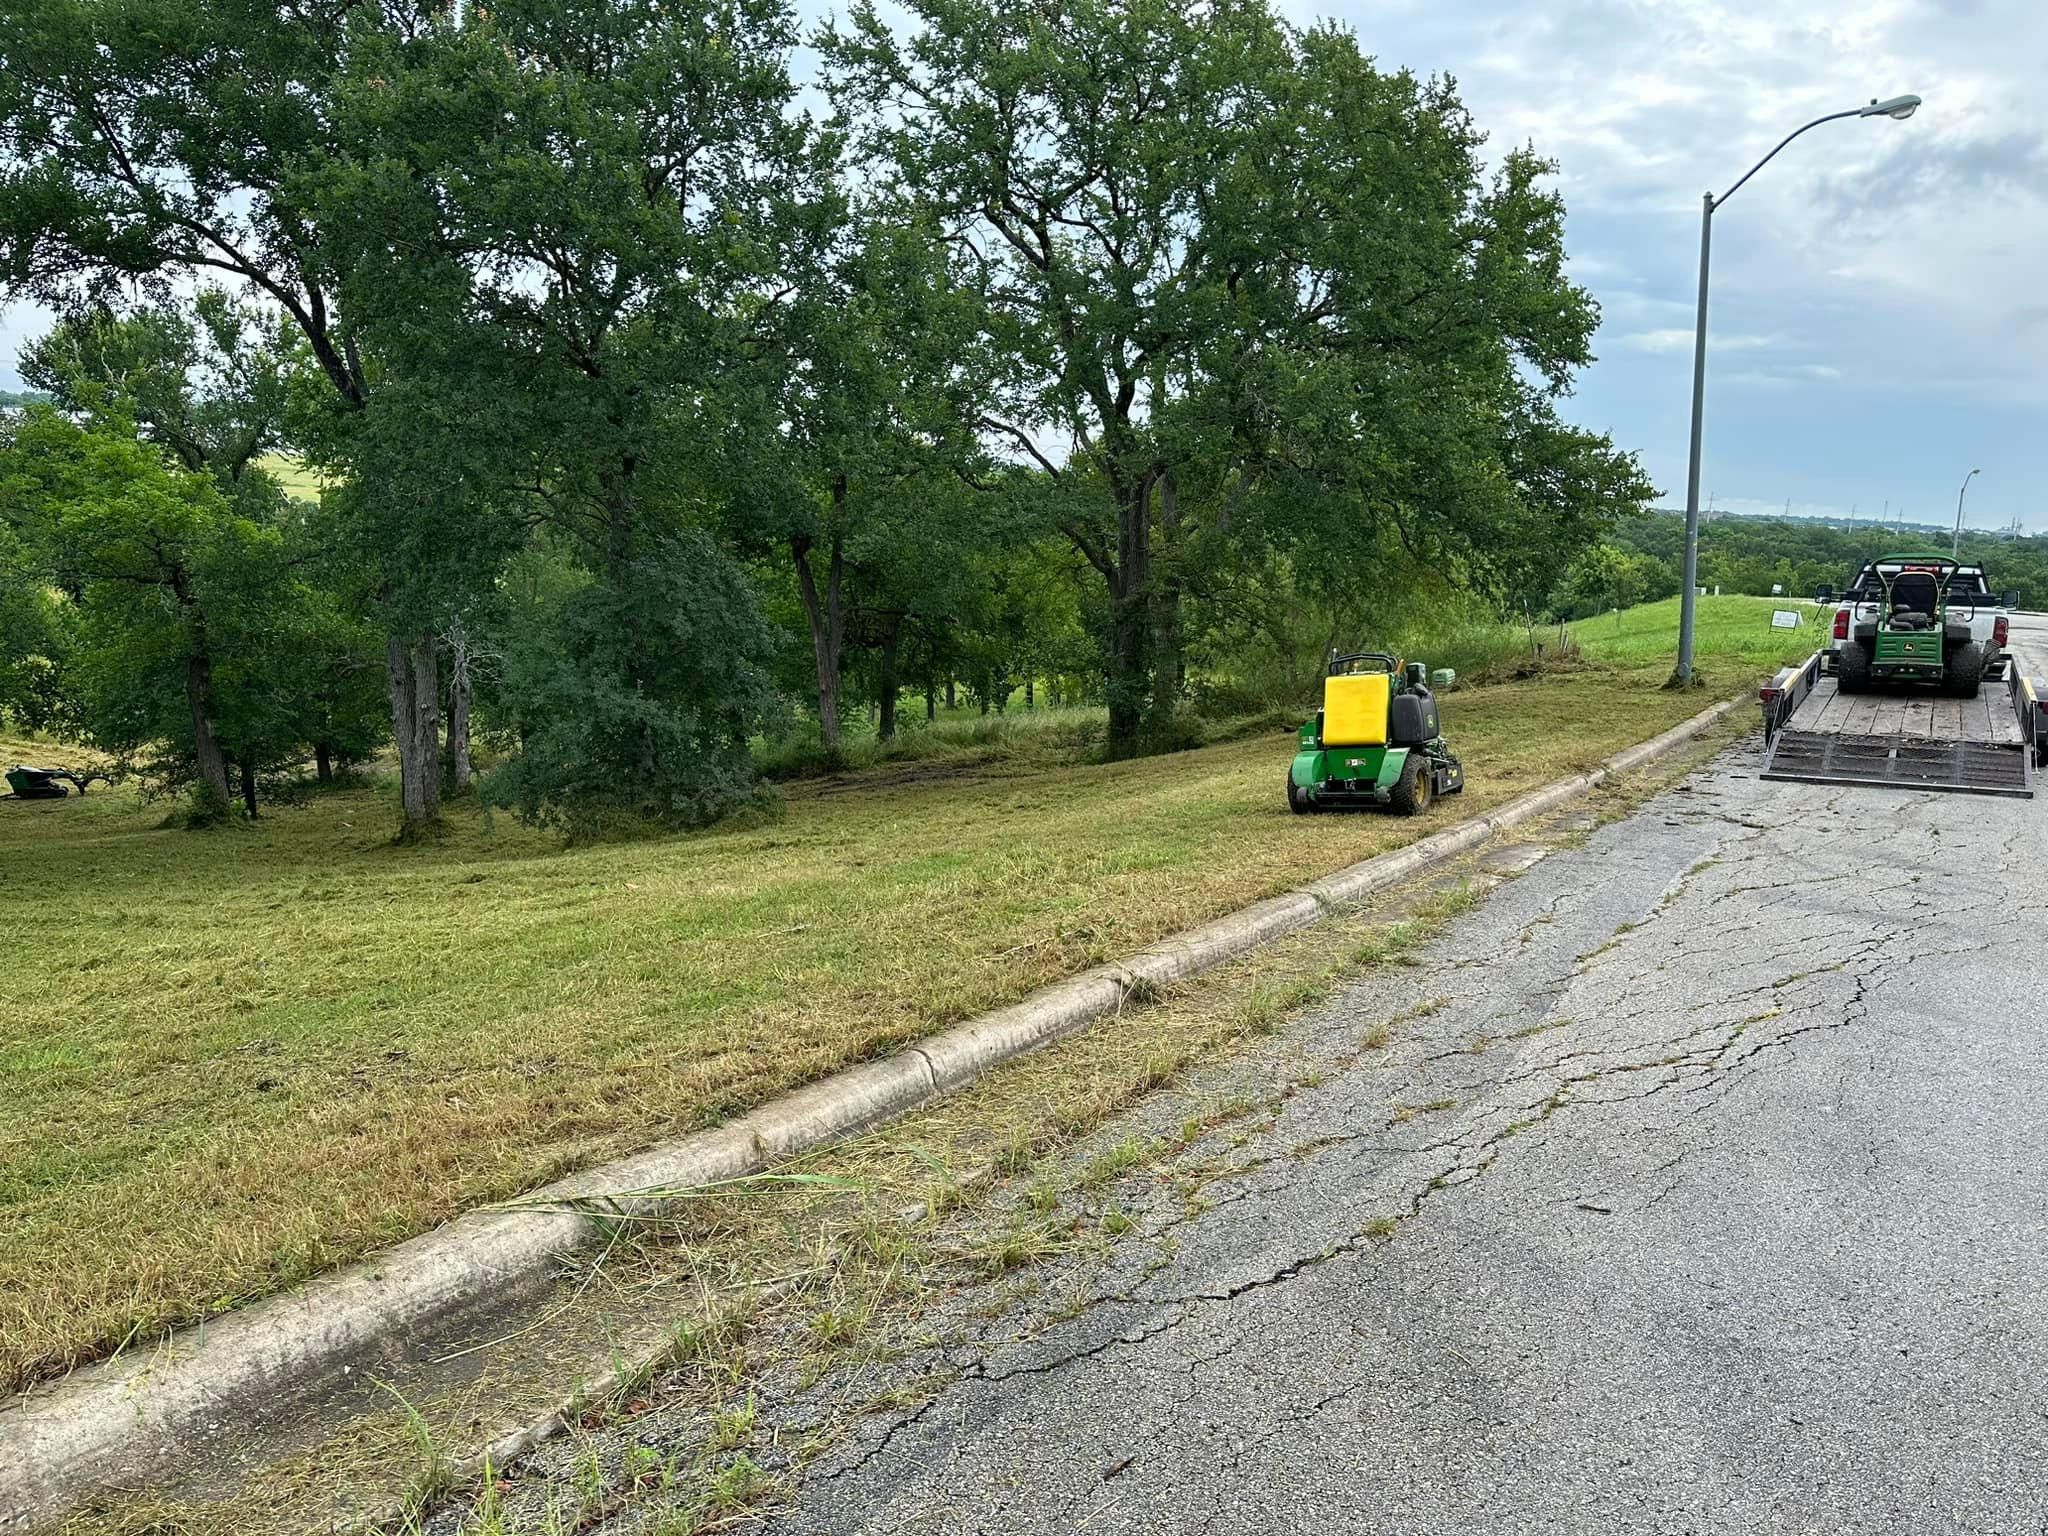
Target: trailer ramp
{"type": "Point", "coordinates": [1816, 734]}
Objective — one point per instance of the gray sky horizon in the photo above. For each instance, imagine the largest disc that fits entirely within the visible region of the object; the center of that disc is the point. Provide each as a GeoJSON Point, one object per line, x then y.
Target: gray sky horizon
{"type": "Point", "coordinates": [1877, 326]}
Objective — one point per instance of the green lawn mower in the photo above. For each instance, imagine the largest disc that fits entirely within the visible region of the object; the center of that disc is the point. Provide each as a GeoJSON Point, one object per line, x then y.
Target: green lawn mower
{"type": "Point", "coordinates": [1375, 741]}
{"type": "Point", "coordinates": [1909, 622]}
{"type": "Point", "coordinates": [26, 783]}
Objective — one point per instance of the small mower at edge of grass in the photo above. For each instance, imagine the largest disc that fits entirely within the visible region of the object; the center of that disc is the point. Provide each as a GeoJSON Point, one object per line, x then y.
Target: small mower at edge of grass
{"type": "Point", "coordinates": [1375, 742]}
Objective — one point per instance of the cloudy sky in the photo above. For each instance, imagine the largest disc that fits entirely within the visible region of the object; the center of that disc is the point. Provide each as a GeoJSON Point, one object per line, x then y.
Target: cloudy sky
{"type": "Point", "coordinates": [1880, 320]}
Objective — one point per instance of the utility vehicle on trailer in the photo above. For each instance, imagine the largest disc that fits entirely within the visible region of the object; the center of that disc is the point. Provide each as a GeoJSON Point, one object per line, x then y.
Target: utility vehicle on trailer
{"type": "Point", "coordinates": [1918, 619]}
{"type": "Point", "coordinates": [1375, 742]}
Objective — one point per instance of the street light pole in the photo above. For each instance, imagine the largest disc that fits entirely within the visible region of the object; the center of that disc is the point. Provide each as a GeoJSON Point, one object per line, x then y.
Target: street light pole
{"type": "Point", "coordinates": [1688, 594]}
{"type": "Point", "coordinates": [1898, 107]}
{"type": "Point", "coordinates": [1956, 544]}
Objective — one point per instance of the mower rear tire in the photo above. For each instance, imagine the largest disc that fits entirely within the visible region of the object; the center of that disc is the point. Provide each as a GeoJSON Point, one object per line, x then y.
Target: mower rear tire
{"type": "Point", "coordinates": [1852, 667]}
{"type": "Point", "coordinates": [1416, 787]}
{"type": "Point", "coordinates": [1963, 676]}
{"type": "Point", "coordinates": [1297, 797]}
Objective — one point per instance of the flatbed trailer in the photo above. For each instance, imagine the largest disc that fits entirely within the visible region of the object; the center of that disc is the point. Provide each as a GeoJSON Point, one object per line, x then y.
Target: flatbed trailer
{"type": "Point", "coordinates": [1987, 745]}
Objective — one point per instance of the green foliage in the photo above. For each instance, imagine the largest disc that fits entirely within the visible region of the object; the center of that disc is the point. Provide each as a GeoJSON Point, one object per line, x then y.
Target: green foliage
{"type": "Point", "coordinates": [1139, 353]}
{"type": "Point", "coordinates": [191, 378]}
{"type": "Point", "coordinates": [35, 639]}
{"type": "Point", "coordinates": [164, 576]}
{"type": "Point", "coordinates": [669, 746]}
{"type": "Point", "coordinates": [1605, 577]}
{"type": "Point", "coordinates": [264, 630]}
{"type": "Point", "coordinates": [1264, 290]}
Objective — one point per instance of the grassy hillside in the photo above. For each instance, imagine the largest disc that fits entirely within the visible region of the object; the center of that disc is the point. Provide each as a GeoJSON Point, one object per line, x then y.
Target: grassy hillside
{"type": "Point", "coordinates": [1732, 638]}
{"type": "Point", "coordinates": [298, 481]}
{"type": "Point", "coordinates": [229, 1060]}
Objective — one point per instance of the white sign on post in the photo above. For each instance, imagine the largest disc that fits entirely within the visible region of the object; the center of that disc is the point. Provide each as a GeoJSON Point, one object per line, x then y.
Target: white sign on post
{"type": "Point", "coordinates": [1777, 589]}
{"type": "Point", "coordinates": [1784, 618]}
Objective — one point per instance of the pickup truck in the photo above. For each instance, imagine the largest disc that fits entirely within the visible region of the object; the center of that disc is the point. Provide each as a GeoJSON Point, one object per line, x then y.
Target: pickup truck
{"type": "Point", "coordinates": [1918, 619]}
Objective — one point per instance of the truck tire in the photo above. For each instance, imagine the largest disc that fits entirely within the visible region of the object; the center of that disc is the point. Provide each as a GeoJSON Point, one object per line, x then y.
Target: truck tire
{"type": "Point", "coordinates": [1963, 673]}
{"type": "Point", "coordinates": [1297, 797]}
{"type": "Point", "coordinates": [1852, 667]}
{"type": "Point", "coordinates": [1416, 787]}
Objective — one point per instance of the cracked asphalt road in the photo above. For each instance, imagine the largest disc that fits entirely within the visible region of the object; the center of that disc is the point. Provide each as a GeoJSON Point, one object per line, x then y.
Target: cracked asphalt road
{"type": "Point", "coordinates": [1700, 1190]}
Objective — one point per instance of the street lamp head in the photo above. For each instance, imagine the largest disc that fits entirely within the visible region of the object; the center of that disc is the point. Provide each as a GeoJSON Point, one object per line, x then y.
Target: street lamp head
{"type": "Point", "coordinates": [1899, 107]}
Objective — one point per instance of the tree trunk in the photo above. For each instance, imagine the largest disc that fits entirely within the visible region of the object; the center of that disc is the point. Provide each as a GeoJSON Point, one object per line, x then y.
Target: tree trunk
{"type": "Point", "coordinates": [1166, 658]}
{"type": "Point", "coordinates": [1130, 620]}
{"type": "Point", "coordinates": [213, 767]}
{"type": "Point", "coordinates": [459, 770]}
{"type": "Point", "coordinates": [827, 620]}
{"type": "Point", "coordinates": [952, 698]}
{"type": "Point", "coordinates": [1030, 686]}
{"type": "Point", "coordinates": [931, 702]}
{"type": "Point", "coordinates": [890, 685]}
{"type": "Point", "coordinates": [323, 762]}
{"type": "Point", "coordinates": [248, 767]}
{"type": "Point", "coordinates": [416, 728]}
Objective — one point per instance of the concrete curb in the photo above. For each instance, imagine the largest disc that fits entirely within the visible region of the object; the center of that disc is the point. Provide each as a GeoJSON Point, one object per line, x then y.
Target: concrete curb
{"type": "Point", "coordinates": [58, 1442]}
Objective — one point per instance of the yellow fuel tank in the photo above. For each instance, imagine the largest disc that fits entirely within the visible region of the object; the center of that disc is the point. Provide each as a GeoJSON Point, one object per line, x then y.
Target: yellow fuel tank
{"type": "Point", "coordinates": [1355, 710]}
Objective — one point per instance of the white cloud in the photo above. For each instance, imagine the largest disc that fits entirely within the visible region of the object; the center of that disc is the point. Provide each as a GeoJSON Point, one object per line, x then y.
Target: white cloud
{"type": "Point", "coordinates": [1680, 339]}
{"type": "Point", "coordinates": [1893, 266]}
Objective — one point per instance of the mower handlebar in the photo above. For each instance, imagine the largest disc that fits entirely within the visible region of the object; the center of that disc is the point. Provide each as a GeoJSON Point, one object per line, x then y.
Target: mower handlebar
{"type": "Point", "coordinates": [1342, 665]}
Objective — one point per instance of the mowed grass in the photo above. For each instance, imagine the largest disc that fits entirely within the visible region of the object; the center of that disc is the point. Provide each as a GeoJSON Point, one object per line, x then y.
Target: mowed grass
{"type": "Point", "coordinates": [297, 481]}
{"type": "Point", "coordinates": [229, 1060]}
{"type": "Point", "coordinates": [1732, 636]}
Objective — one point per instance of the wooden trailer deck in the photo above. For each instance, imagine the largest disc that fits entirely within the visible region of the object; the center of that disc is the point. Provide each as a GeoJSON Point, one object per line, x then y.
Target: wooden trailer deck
{"type": "Point", "coordinates": [1817, 734]}
{"type": "Point", "coordinates": [1987, 719]}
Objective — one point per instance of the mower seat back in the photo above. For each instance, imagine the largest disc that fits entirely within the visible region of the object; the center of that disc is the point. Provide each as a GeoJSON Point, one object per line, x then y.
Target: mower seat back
{"type": "Point", "coordinates": [1914, 593]}
{"type": "Point", "coordinates": [1355, 709]}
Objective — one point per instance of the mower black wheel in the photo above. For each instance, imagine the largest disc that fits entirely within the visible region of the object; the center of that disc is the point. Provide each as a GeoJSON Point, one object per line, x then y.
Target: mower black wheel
{"type": "Point", "coordinates": [1964, 673]}
{"type": "Point", "coordinates": [1416, 787]}
{"type": "Point", "coordinates": [1297, 797]}
{"type": "Point", "coordinates": [1852, 667]}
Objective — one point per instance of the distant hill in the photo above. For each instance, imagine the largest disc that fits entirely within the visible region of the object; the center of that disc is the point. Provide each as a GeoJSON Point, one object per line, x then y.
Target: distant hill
{"type": "Point", "coordinates": [15, 399]}
{"type": "Point", "coordinates": [1741, 554]}
{"type": "Point", "coordinates": [1811, 519]}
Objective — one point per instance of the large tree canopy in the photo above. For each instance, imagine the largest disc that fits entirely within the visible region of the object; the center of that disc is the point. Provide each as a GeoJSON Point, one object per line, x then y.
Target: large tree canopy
{"type": "Point", "coordinates": [1226, 257]}
{"type": "Point", "coordinates": [649, 409]}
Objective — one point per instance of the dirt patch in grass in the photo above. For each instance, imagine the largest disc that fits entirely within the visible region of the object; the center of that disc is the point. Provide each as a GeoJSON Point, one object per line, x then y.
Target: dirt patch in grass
{"type": "Point", "coordinates": [231, 1060]}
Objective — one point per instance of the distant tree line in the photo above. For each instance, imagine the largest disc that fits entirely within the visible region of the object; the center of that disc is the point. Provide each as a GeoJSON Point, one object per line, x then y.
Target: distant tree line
{"type": "Point", "coordinates": [1642, 559]}
{"type": "Point", "coordinates": [1100, 343]}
